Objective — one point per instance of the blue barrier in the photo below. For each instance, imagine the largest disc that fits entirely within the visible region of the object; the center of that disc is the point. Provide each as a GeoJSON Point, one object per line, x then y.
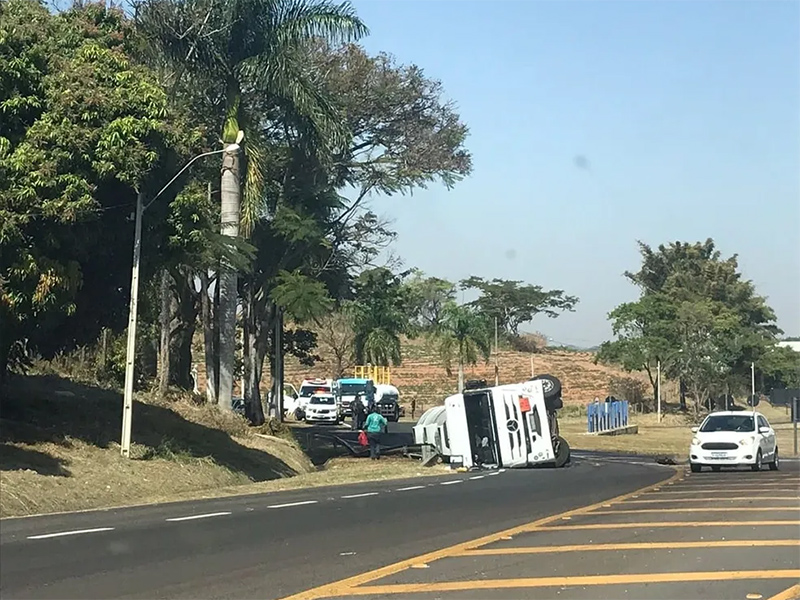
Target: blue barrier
{"type": "Point", "coordinates": [602, 416]}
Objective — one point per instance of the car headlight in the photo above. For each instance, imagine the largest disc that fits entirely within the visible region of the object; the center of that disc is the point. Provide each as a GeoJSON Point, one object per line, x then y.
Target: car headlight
{"type": "Point", "coordinates": [747, 440]}
{"type": "Point", "coordinates": [695, 442]}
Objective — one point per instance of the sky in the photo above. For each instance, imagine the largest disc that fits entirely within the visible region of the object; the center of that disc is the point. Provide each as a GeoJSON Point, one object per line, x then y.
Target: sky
{"type": "Point", "coordinates": [594, 124]}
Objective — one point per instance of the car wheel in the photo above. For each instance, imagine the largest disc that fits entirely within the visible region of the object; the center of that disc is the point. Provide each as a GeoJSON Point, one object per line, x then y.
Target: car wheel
{"type": "Point", "coordinates": [696, 468]}
{"type": "Point", "coordinates": [756, 466]}
{"type": "Point", "coordinates": [774, 465]}
{"type": "Point", "coordinates": [716, 468]}
{"type": "Point", "coordinates": [562, 452]}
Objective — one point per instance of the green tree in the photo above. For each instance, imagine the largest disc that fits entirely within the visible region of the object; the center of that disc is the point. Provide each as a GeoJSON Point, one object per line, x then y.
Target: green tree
{"type": "Point", "coordinates": [462, 336]}
{"type": "Point", "coordinates": [513, 303]}
{"type": "Point", "coordinates": [428, 298]}
{"type": "Point", "coordinates": [380, 316]}
{"type": "Point", "coordinates": [89, 129]}
{"type": "Point", "coordinates": [243, 49]}
{"type": "Point", "coordinates": [697, 315]}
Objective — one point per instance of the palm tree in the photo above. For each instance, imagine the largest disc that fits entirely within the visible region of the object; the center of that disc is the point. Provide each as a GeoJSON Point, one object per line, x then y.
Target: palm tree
{"type": "Point", "coordinates": [463, 335]}
{"type": "Point", "coordinates": [237, 51]}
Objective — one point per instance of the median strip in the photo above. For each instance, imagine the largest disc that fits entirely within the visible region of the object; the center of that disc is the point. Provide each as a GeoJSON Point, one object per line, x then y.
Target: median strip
{"type": "Point", "coordinates": [667, 524]}
{"type": "Point", "coordinates": [45, 536]}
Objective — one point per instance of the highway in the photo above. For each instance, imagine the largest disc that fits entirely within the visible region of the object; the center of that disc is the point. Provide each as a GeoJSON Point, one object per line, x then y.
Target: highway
{"type": "Point", "coordinates": [279, 544]}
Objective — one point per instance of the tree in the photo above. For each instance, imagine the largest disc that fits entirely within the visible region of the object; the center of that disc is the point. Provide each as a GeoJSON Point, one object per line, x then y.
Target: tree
{"type": "Point", "coordinates": [514, 304]}
{"type": "Point", "coordinates": [779, 368]}
{"type": "Point", "coordinates": [697, 315]}
{"type": "Point", "coordinates": [380, 315]}
{"type": "Point", "coordinates": [428, 297]}
{"type": "Point", "coordinates": [88, 128]}
{"type": "Point", "coordinates": [644, 337]}
{"type": "Point", "coordinates": [336, 335]}
{"type": "Point", "coordinates": [462, 335]}
{"type": "Point", "coordinates": [250, 47]}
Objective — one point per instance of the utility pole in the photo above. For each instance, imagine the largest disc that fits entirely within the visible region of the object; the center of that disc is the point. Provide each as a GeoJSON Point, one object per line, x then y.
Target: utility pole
{"type": "Point", "coordinates": [532, 373]}
{"type": "Point", "coordinates": [130, 357]}
{"type": "Point", "coordinates": [658, 387]}
{"type": "Point", "coordinates": [496, 350]}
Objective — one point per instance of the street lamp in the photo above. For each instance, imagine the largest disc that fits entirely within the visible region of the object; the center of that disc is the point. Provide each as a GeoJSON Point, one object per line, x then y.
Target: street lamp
{"type": "Point", "coordinates": [127, 404]}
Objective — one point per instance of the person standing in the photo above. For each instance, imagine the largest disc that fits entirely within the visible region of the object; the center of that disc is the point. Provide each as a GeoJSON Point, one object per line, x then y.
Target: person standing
{"type": "Point", "coordinates": [357, 410]}
{"type": "Point", "coordinates": [375, 425]}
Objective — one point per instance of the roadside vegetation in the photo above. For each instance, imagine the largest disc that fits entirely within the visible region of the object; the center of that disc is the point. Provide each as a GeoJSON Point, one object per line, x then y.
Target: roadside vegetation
{"type": "Point", "coordinates": [271, 261]}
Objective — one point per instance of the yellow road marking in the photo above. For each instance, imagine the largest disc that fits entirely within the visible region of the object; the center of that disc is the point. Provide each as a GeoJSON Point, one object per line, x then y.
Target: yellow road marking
{"type": "Point", "coordinates": [540, 582]}
{"type": "Point", "coordinates": [734, 499]}
{"type": "Point", "coordinates": [630, 546]}
{"type": "Point", "coordinates": [711, 493]}
{"type": "Point", "coordinates": [726, 486]}
{"type": "Point", "coordinates": [697, 509]}
{"type": "Point", "coordinates": [664, 524]}
{"type": "Point", "coordinates": [345, 586]}
{"type": "Point", "coordinates": [792, 593]}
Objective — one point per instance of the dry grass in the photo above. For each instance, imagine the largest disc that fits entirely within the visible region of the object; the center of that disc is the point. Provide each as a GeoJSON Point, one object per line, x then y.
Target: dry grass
{"type": "Point", "coordinates": [670, 437]}
{"type": "Point", "coordinates": [59, 452]}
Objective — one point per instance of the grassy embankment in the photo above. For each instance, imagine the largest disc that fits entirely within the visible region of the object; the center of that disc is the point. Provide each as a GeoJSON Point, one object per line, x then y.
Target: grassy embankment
{"type": "Point", "coordinates": [59, 451]}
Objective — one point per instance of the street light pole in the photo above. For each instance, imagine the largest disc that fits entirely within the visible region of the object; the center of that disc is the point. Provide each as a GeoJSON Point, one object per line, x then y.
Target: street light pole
{"type": "Point", "coordinates": [130, 352]}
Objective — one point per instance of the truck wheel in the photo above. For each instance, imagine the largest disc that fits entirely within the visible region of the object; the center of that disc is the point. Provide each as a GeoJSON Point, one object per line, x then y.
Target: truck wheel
{"type": "Point", "coordinates": [550, 385]}
{"type": "Point", "coordinates": [396, 415]}
{"type": "Point", "coordinates": [562, 452]}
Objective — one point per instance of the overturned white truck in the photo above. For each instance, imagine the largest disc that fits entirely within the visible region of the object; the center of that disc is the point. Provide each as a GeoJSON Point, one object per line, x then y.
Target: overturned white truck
{"type": "Point", "coordinates": [513, 425]}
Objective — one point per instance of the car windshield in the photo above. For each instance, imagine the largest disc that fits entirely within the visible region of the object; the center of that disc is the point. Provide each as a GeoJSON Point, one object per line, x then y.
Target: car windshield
{"type": "Point", "coordinates": [322, 400]}
{"type": "Point", "coordinates": [309, 390]}
{"type": "Point", "coordinates": [351, 389]}
{"type": "Point", "coordinates": [741, 423]}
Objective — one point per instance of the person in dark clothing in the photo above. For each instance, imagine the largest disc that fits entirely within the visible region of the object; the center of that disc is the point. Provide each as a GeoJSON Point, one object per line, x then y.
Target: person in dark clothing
{"type": "Point", "coordinates": [375, 425]}
{"type": "Point", "coordinates": [357, 409]}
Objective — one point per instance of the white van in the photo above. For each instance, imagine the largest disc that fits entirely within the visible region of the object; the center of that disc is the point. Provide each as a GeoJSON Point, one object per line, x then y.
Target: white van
{"type": "Point", "coordinates": [506, 426]}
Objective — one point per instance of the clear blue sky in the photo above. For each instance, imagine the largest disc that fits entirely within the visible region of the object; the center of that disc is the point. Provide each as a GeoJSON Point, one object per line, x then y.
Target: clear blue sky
{"type": "Point", "coordinates": [688, 113]}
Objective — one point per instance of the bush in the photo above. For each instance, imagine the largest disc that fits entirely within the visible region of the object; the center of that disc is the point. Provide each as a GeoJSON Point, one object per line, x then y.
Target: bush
{"type": "Point", "coordinates": [630, 389]}
{"type": "Point", "coordinates": [528, 342]}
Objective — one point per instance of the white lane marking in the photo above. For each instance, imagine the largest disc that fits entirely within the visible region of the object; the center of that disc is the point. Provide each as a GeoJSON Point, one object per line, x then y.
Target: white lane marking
{"type": "Point", "coordinates": [491, 474]}
{"type": "Point", "coordinates": [63, 533]}
{"type": "Point", "coordinates": [477, 477]}
{"type": "Point", "coordinates": [205, 516]}
{"type": "Point", "coordinates": [413, 487]}
{"type": "Point", "coordinates": [502, 471]}
{"type": "Point", "coordinates": [450, 482]}
{"type": "Point", "coordinates": [361, 495]}
{"type": "Point", "coordinates": [288, 504]}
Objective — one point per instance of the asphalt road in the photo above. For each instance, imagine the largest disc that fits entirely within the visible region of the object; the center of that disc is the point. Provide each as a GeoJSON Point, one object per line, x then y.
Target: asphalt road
{"type": "Point", "coordinates": [728, 535]}
{"type": "Point", "coordinates": [275, 545]}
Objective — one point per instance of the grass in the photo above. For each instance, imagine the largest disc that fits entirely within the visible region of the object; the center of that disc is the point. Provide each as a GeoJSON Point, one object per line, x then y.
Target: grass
{"type": "Point", "coordinates": [671, 437]}
{"type": "Point", "coordinates": [59, 451]}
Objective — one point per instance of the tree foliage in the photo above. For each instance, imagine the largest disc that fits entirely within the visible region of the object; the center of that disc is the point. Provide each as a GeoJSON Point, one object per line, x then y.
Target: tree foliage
{"type": "Point", "coordinates": [514, 303]}
{"type": "Point", "coordinates": [698, 316]}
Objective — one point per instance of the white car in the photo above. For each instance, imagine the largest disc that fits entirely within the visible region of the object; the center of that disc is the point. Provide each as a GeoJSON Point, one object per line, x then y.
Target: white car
{"type": "Point", "coordinates": [322, 408]}
{"type": "Point", "coordinates": [733, 438]}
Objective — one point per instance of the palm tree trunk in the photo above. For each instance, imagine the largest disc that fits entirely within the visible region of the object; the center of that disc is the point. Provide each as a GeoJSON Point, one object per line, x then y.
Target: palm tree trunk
{"type": "Point", "coordinates": [254, 410]}
{"type": "Point", "coordinates": [460, 374]}
{"type": "Point", "coordinates": [230, 213]}
{"type": "Point", "coordinates": [212, 366]}
{"type": "Point", "coordinates": [164, 359]}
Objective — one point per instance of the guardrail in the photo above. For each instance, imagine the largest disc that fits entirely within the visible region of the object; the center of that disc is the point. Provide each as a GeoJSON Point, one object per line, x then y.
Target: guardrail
{"type": "Point", "coordinates": [604, 416]}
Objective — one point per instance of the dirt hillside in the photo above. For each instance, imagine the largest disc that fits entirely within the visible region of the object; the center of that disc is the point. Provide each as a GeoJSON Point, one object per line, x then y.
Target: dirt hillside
{"type": "Point", "coordinates": [422, 378]}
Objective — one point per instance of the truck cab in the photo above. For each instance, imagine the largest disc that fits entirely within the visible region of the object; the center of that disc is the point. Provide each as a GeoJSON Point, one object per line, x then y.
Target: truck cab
{"type": "Point", "coordinates": [348, 389]}
{"type": "Point", "coordinates": [511, 425]}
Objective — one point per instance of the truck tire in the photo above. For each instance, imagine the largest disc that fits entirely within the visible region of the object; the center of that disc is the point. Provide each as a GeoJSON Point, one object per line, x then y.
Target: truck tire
{"type": "Point", "coordinates": [562, 453]}
{"type": "Point", "coordinates": [396, 415]}
{"type": "Point", "coordinates": [551, 385]}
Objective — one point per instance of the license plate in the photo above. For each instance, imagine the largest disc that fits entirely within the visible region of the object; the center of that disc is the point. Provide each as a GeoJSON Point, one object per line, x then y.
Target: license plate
{"type": "Point", "coordinates": [719, 454]}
